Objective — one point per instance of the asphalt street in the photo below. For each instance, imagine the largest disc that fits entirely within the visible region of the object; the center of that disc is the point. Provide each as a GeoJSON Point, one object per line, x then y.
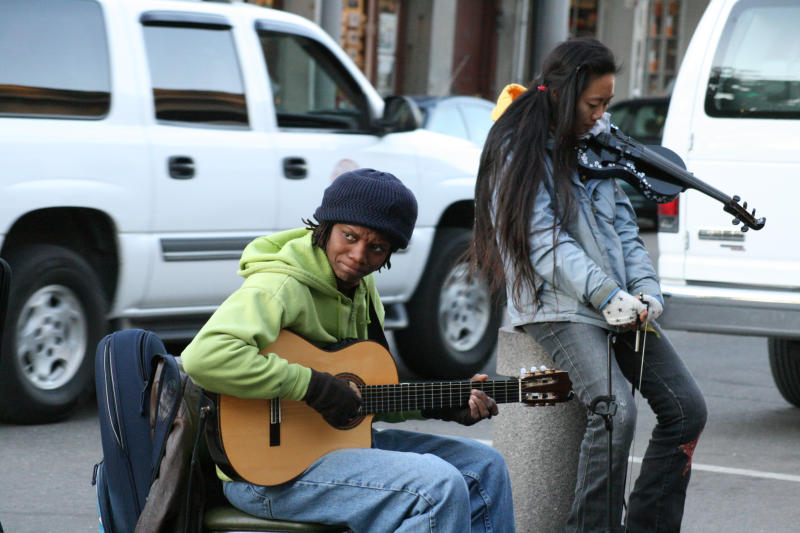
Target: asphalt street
{"type": "Point", "coordinates": [746, 470]}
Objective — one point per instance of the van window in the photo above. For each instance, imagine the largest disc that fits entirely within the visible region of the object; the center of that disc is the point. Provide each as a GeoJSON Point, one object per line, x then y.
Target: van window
{"type": "Point", "coordinates": [53, 59]}
{"type": "Point", "coordinates": [310, 88]}
{"type": "Point", "coordinates": [756, 69]}
{"type": "Point", "coordinates": [195, 75]}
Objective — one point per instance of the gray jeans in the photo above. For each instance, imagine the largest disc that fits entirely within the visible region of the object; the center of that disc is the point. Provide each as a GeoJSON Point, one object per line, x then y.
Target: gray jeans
{"type": "Point", "coordinates": [656, 502]}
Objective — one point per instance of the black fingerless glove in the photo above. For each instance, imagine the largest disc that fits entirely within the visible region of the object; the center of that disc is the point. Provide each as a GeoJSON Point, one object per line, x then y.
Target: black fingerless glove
{"type": "Point", "coordinates": [333, 398]}
{"type": "Point", "coordinates": [462, 415]}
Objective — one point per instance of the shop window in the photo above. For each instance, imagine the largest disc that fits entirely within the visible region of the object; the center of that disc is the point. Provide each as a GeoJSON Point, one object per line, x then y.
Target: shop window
{"type": "Point", "coordinates": [662, 46]}
{"type": "Point", "coordinates": [583, 18]}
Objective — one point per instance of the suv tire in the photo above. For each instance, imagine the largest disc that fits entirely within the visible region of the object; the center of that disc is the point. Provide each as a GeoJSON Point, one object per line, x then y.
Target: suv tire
{"type": "Point", "coordinates": [784, 362]}
{"type": "Point", "coordinates": [465, 316]}
{"type": "Point", "coordinates": [56, 316]}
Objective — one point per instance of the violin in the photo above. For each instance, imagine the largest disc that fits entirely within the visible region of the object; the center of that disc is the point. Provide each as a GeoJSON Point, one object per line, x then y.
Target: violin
{"type": "Point", "coordinates": [656, 171]}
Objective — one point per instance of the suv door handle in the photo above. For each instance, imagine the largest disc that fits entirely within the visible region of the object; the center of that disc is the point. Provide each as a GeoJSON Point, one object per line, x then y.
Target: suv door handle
{"type": "Point", "coordinates": [295, 168]}
{"type": "Point", "coordinates": [181, 167]}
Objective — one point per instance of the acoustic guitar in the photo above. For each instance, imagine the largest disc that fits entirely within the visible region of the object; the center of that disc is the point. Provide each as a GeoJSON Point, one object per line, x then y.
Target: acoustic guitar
{"type": "Point", "coordinates": [268, 442]}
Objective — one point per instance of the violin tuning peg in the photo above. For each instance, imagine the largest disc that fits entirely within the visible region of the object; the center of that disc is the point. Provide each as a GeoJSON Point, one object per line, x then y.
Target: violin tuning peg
{"type": "Point", "coordinates": [744, 206]}
{"type": "Point", "coordinates": [745, 229]}
{"type": "Point", "coordinates": [735, 221]}
{"type": "Point", "coordinates": [736, 198]}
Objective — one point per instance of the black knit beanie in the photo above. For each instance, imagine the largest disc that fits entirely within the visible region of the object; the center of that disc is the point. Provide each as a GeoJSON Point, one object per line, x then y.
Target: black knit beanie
{"type": "Point", "coordinates": [374, 199]}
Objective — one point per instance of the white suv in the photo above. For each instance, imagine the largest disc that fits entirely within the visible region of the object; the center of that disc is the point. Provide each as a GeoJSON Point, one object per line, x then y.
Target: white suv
{"type": "Point", "coordinates": [143, 143]}
{"type": "Point", "coordinates": [734, 117]}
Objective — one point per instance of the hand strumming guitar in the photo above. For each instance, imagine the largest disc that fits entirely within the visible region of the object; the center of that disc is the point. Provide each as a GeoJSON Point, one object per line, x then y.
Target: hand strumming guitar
{"type": "Point", "coordinates": [481, 406]}
{"type": "Point", "coordinates": [335, 399]}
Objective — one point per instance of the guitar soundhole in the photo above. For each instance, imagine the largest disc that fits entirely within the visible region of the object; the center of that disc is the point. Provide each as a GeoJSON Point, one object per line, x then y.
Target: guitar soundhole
{"type": "Point", "coordinates": [353, 378]}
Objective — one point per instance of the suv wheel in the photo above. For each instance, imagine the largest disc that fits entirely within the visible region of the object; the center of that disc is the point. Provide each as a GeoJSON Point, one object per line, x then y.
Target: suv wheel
{"type": "Point", "coordinates": [55, 319]}
{"type": "Point", "coordinates": [784, 362]}
{"type": "Point", "coordinates": [453, 320]}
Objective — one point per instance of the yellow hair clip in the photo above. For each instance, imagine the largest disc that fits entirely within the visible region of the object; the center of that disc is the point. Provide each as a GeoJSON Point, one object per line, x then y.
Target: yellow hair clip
{"type": "Point", "coordinates": [509, 93]}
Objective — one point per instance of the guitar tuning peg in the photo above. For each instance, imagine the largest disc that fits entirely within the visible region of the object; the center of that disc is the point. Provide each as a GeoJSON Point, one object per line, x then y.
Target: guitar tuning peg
{"type": "Point", "coordinates": [522, 372]}
{"type": "Point", "coordinates": [543, 368]}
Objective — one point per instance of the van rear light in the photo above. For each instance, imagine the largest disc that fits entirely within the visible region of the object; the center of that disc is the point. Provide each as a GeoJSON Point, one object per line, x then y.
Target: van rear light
{"type": "Point", "coordinates": [668, 217]}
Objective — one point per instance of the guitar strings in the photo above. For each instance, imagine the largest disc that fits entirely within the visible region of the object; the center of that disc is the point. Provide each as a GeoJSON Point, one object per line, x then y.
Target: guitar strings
{"type": "Point", "coordinates": [413, 396]}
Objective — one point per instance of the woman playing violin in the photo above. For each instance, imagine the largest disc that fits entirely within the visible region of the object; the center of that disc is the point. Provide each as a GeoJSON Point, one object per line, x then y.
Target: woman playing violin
{"type": "Point", "coordinates": [568, 252]}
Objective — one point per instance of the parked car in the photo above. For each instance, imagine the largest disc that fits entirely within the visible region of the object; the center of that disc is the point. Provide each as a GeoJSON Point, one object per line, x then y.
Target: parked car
{"type": "Point", "coordinates": [144, 143]}
{"type": "Point", "coordinates": [734, 118]}
{"type": "Point", "coordinates": [642, 119]}
{"type": "Point", "coordinates": [465, 117]}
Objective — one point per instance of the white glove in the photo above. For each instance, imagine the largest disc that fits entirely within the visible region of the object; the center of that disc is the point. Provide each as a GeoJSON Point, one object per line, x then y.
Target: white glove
{"type": "Point", "coordinates": [622, 309]}
{"type": "Point", "coordinates": [654, 307]}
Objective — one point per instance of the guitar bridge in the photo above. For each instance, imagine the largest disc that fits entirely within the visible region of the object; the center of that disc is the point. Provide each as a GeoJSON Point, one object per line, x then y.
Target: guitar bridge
{"type": "Point", "coordinates": [275, 422]}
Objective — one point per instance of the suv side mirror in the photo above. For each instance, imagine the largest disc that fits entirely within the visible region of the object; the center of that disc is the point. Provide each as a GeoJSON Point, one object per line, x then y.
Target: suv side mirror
{"type": "Point", "coordinates": [400, 113]}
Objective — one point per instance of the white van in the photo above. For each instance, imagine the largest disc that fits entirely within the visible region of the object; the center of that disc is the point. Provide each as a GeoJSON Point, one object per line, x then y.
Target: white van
{"type": "Point", "coordinates": [734, 118]}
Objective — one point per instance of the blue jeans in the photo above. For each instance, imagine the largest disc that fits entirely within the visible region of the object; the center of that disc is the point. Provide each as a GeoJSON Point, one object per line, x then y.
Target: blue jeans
{"type": "Point", "coordinates": [656, 502]}
{"type": "Point", "coordinates": [410, 482]}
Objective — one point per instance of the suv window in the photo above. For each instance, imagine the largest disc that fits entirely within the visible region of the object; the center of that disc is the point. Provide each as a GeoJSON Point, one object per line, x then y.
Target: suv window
{"type": "Point", "coordinates": [194, 71]}
{"type": "Point", "coordinates": [756, 69]}
{"type": "Point", "coordinates": [310, 89]}
{"type": "Point", "coordinates": [66, 41]}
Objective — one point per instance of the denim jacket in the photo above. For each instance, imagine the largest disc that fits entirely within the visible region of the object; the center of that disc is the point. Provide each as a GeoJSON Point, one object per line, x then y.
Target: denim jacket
{"type": "Point", "coordinates": [597, 253]}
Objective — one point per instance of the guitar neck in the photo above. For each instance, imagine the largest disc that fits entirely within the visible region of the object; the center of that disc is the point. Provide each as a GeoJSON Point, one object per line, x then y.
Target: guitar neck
{"type": "Point", "coordinates": [414, 396]}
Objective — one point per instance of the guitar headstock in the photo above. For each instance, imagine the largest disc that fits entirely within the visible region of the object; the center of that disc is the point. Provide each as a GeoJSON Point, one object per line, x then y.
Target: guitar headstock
{"type": "Point", "coordinates": [545, 386]}
{"type": "Point", "coordinates": [748, 219]}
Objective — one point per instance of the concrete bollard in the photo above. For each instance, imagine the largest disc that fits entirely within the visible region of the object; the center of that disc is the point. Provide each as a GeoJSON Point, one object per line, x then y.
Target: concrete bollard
{"type": "Point", "coordinates": [540, 444]}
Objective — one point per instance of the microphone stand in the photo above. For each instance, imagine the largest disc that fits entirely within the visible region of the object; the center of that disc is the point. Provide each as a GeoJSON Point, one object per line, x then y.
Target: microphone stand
{"type": "Point", "coordinates": [606, 407]}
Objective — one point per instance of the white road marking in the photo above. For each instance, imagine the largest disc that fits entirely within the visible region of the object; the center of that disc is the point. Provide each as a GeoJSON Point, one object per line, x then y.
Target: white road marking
{"type": "Point", "coordinates": [737, 471]}
{"type": "Point", "coordinates": [718, 469]}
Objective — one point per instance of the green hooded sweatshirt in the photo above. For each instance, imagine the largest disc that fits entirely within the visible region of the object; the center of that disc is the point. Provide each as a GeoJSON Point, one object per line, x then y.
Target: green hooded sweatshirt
{"type": "Point", "coordinates": [289, 284]}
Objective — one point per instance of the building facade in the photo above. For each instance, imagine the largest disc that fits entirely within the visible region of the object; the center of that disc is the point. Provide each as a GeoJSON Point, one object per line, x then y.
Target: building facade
{"type": "Point", "coordinates": [475, 47]}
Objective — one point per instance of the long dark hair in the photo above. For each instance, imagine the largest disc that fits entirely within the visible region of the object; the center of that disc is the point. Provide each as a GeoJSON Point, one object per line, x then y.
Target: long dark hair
{"type": "Point", "coordinates": [512, 167]}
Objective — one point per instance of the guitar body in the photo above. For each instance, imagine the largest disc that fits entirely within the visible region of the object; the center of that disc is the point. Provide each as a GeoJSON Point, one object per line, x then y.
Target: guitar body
{"type": "Point", "coordinates": [249, 440]}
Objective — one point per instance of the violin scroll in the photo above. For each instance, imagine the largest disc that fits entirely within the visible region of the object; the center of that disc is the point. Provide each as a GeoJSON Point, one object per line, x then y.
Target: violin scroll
{"type": "Point", "coordinates": [740, 213]}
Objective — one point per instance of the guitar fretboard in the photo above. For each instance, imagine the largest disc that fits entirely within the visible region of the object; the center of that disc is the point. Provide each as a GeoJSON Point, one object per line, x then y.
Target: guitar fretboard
{"type": "Point", "coordinates": [426, 395]}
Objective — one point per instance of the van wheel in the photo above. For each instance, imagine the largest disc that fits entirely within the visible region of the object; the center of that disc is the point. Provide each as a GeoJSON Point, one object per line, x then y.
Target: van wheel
{"type": "Point", "coordinates": [56, 316]}
{"type": "Point", "coordinates": [453, 321]}
{"type": "Point", "coordinates": [784, 362]}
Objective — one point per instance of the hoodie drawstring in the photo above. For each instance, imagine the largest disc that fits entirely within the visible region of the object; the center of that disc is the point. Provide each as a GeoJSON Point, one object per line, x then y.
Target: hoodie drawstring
{"type": "Point", "coordinates": [339, 316]}
{"type": "Point", "coordinates": [366, 309]}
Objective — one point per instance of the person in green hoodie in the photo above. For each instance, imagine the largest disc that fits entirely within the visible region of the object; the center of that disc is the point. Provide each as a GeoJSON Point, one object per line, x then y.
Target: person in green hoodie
{"type": "Point", "coordinates": [317, 282]}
